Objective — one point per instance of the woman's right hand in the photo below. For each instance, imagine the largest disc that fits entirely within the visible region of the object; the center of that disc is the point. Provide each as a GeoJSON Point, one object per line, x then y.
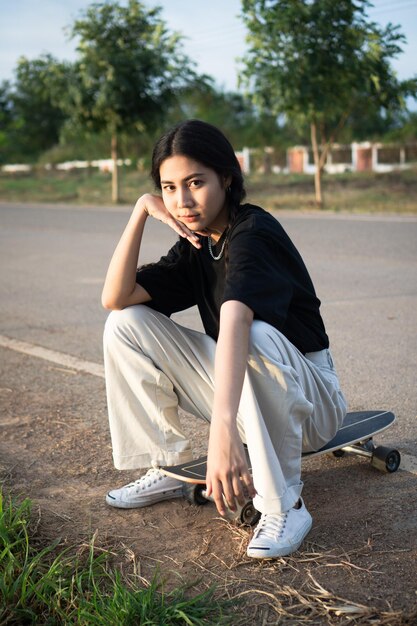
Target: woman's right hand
{"type": "Point", "coordinates": [154, 206]}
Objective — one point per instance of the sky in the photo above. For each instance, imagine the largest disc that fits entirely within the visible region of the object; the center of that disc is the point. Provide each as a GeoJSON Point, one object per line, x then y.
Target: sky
{"type": "Point", "coordinates": [215, 36]}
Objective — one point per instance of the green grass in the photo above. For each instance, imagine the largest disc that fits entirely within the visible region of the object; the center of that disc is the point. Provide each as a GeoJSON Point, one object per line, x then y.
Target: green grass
{"type": "Point", "coordinates": [393, 192]}
{"type": "Point", "coordinates": [51, 587]}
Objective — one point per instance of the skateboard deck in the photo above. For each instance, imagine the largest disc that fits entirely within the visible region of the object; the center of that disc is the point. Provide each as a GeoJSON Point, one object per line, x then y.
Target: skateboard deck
{"type": "Point", "coordinates": [354, 436]}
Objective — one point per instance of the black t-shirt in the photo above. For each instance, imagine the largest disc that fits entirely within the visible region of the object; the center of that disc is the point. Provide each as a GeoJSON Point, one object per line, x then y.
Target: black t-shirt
{"type": "Point", "coordinates": [261, 268]}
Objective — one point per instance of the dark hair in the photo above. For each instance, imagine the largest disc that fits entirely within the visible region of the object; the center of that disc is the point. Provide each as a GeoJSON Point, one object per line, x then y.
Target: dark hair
{"type": "Point", "coordinates": [206, 144]}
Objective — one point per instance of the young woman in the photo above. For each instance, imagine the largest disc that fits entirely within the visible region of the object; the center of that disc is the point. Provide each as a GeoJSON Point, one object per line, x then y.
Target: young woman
{"type": "Point", "coordinates": [262, 372]}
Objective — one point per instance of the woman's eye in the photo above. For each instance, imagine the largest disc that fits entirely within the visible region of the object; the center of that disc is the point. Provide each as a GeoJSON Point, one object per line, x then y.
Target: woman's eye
{"type": "Point", "coordinates": [168, 188]}
{"type": "Point", "coordinates": [196, 183]}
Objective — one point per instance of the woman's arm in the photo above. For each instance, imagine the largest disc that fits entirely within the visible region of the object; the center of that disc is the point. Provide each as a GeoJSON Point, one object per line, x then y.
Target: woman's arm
{"type": "Point", "coordinates": [120, 287]}
{"type": "Point", "coordinates": [227, 469]}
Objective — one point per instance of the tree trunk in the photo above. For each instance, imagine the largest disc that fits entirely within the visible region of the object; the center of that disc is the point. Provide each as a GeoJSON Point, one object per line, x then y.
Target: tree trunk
{"type": "Point", "coordinates": [317, 165]}
{"type": "Point", "coordinates": [115, 173]}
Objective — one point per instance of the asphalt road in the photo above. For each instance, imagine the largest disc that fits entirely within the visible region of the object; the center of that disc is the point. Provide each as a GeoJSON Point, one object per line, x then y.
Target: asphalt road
{"type": "Point", "coordinates": [53, 260]}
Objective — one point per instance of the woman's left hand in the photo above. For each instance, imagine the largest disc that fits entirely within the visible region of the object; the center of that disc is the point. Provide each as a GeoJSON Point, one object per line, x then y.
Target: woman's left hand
{"type": "Point", "coordinates": [228, 478]}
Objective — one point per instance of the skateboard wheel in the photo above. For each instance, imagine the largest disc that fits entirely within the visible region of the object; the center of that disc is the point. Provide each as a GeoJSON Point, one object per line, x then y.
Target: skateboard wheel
{"type": "Point", "coordinates": [386, 459]}
{"type": "Point", "coordinates": [249, 516]}
{"type": "Point", "coordinates": [339, 453]}
{"type": "Point", "coordinates": [194, 494]}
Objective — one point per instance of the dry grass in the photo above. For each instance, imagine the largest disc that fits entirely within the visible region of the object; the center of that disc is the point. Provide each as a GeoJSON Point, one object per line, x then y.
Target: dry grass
{"type": "Point", "coordinates": [306, 601]}
{"type": "Point", "coordinates": [393, 192]}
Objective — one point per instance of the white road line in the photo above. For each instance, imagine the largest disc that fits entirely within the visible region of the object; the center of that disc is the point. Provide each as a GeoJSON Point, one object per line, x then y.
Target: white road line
{"type": "Point", "coordinates": [53, 356]}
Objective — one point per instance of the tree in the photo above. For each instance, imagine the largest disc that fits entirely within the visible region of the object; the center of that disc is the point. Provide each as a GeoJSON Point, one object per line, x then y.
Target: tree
{"type": "Point", "coordinates": [30, 120]}
{"type": "Point", "coordinates": [315, 60]}
{"type": "Point", "coordinates": [406, 130]}
{"type": "Point", "coordinates": [6, 117]}
{"type": "Point", "coordinates": [129, 71]}
{"type": "Point", "coordinates": [230, 111]}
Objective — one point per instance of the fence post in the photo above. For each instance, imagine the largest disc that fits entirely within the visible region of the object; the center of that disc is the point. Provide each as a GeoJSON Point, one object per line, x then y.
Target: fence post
{"type": "Point", "coordinates": [374, 148]}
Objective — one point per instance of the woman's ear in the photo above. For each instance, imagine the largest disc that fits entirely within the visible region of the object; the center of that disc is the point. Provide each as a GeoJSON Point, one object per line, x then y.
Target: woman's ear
{"type": "Point", "coordinates": [227, 181]}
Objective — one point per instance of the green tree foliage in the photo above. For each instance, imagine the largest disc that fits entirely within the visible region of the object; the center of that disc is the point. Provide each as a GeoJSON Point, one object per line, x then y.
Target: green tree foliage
{"type": "Point", "coordinates": [234, 114]}
{"type": "Point", "coordinates": [319, 60]}
{"type": "Point", "coordinates": [406, 130]}
{"type": "Point", "coordinates": [30, 120]}
{"type": "Point", "coordinates": [6, 118]}
{"type": "Point", "coordinates": [129, 71]}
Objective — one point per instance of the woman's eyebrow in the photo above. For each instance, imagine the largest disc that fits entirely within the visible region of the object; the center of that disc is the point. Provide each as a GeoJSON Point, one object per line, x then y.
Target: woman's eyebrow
{"type": "Point", "coordinates": [170, 182]}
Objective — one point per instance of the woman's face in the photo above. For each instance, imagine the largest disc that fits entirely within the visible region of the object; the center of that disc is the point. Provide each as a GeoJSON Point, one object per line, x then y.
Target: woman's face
{"type": "Point", "coordinates": [194, 194]}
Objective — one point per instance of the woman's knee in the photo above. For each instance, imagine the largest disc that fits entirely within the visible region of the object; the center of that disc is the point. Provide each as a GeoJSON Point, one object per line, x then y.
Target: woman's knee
{"type": "Point", "coordinates": [119, 322]}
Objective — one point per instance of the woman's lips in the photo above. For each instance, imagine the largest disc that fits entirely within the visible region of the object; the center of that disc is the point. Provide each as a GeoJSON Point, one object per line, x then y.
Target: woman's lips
{"type": "Point", "coordinates": [188, 218]}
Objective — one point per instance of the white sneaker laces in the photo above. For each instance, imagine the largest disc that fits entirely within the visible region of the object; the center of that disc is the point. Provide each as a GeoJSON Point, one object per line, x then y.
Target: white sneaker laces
{"type": "Point", "coordinates": [271, 526]}
{"type": "Point", "coordinates": [151, 476]}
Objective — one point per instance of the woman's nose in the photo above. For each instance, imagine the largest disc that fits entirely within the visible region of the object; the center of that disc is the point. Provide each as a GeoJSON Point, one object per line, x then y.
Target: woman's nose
{"type": "Point", "coordinates": [184, 198]}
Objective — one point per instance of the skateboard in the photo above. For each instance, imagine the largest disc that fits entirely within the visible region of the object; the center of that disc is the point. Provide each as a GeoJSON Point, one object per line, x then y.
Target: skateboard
{"type": "Point", "coordinates": [355, 436]}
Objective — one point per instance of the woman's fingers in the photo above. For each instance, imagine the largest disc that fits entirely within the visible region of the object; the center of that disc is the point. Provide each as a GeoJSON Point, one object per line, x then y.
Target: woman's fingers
{"type": "Point", "coordinates": [228, 491]}
{"type": "Point", "coordinates": [217, 495]}
{"type": "Point", "coordinates": [221, 494]}
{"type": "Point", "coordinates": [228, 479]}
{"type": "Point", "coordinates": [238, 490]}
{"type": "Point", "coordinates": [248, 486]}
{"type": "Point", "coordinates": [154, 207]}
{"type": "Point", "coordinates": [183, 231]}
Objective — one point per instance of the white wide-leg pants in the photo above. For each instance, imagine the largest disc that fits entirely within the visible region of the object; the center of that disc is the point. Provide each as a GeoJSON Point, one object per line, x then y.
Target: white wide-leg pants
{"type": "Point", "coordinates": [290, 403]}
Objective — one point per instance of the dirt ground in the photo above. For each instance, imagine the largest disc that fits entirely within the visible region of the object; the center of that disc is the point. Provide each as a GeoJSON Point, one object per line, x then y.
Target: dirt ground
{"type": "Point", "coordinates": [359, 562]}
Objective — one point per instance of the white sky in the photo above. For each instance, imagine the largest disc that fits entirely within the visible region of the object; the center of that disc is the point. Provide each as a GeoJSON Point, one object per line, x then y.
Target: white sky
{"type": "Point", "coordinates": [215, 34]}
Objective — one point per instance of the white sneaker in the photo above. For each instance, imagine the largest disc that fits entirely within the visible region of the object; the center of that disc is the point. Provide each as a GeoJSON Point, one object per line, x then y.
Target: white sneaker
{"type": "Point", "coordinates": [280, 534]}
{"type": "Point", "coordinates": [153, 487]}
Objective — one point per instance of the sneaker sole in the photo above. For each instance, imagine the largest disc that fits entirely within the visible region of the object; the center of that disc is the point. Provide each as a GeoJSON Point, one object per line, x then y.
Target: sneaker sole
{"type": "Point", "coordinates": [122, 504]}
